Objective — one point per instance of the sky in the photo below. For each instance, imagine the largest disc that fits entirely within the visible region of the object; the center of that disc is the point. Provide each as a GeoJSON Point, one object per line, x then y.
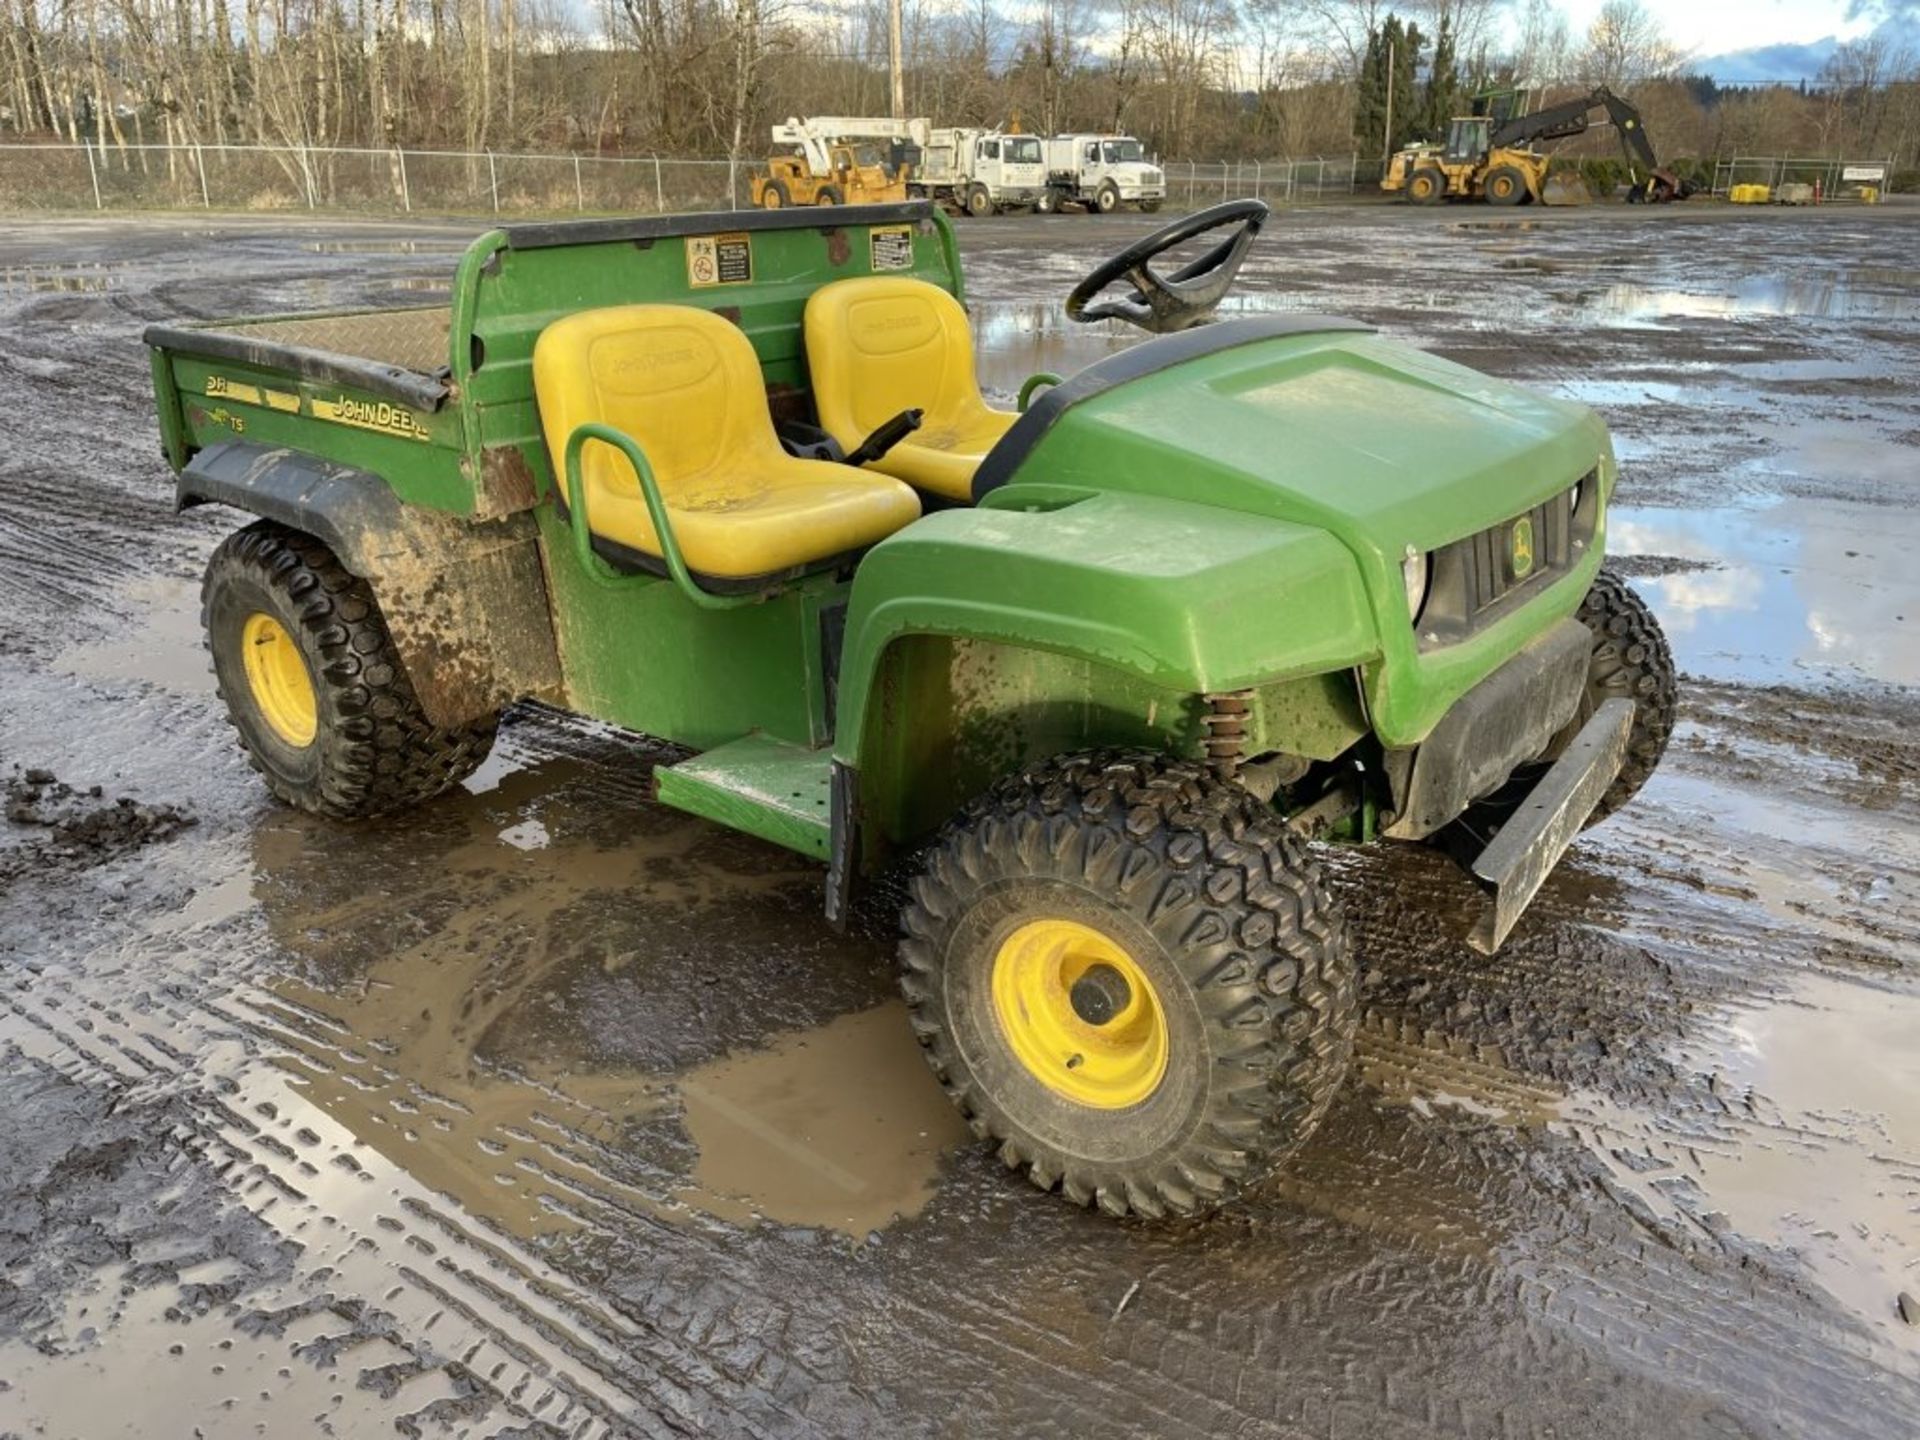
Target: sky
{"type": "Point", "coordinates": [1716, 27]}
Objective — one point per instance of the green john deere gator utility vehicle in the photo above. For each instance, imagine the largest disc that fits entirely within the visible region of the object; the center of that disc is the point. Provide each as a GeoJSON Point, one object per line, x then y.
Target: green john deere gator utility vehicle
{"type": "Point", "coordinates": [1098, 668]}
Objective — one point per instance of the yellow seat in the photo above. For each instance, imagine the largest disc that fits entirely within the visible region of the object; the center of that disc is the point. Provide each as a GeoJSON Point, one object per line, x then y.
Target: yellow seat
{"type": "Point", "coordinates": [686, 386]}
{"type": "Point", "coordinates": [878, 346]}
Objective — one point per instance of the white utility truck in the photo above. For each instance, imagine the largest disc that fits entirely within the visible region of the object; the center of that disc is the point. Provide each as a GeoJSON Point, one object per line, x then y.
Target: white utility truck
{"type": "Point", "coordinates": [1101, 172]}
{"type": "Point", "coordinates": [981, 171]}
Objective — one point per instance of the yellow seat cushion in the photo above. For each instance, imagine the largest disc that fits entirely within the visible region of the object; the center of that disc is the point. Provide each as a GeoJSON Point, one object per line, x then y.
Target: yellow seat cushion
{"type": "Point", "coordinates": [687, 386]}
{"type": "Point", "coordinates": [881, 345]}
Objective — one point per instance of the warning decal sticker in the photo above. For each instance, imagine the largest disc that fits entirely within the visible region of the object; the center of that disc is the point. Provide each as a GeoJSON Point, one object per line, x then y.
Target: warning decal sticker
{"type": "Point", "coordinates": [719, 260]}
{"type": "Point", "coordinates": [892, 247]}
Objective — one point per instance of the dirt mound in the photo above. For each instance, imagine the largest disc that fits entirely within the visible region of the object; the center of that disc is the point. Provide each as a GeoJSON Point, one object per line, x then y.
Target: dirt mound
{"type": "Point", "coordinates": [1565, 188]}
{"type": "Point", "coordinates": [82, 828]}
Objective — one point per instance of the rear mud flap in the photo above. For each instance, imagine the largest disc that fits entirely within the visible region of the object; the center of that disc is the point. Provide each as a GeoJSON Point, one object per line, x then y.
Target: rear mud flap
{"type": "Point", "coordinates": [1523, 854]}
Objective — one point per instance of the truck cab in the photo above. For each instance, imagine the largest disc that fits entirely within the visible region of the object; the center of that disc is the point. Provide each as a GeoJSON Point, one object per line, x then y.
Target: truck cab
{"type": "Point", "coordinates": [1104, 172]}
{"type": "Point", "coordinates": [982, 171]}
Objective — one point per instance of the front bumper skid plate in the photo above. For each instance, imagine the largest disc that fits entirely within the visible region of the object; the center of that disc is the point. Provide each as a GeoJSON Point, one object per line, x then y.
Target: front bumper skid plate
{"type": "Point", "coordinates": [1529, 845]}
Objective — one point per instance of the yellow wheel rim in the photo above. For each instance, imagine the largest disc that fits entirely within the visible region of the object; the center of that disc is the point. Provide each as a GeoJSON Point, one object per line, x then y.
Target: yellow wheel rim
{"type": "Point", "coordinates": [1080, 1014]}
{"type": "Point", "coordinates": [278, 679]}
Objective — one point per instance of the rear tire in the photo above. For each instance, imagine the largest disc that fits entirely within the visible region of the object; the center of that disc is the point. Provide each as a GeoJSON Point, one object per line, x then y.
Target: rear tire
{"type": "Point", "coordinates": [1237, 955]}
{"type": "Point", "coordinates": [332, 722]}
{"type": "Point", "coordinates": [829, 195]}
{"type": "Point", "coordinates": [1506, 186]}
{"type": "Point", "coordinates": [1048, 202]}
{"type": "Point", "coordinates": [774, 196]}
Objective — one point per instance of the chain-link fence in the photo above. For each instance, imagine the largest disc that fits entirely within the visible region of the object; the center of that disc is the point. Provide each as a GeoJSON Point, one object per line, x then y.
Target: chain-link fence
{"type": "Point", "coordinates": [1195, 183]}
{"type": "Point", "coordinates": [268, 178]}
{"type": "Point", "coordinates": [1830, 179]}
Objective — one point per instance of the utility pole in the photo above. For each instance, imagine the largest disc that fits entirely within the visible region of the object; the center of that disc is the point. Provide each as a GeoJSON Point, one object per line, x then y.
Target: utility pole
{"type": "Point", "coordinates": [1386, 142]}
{"type": "Point", "coordinates": [899, 69]}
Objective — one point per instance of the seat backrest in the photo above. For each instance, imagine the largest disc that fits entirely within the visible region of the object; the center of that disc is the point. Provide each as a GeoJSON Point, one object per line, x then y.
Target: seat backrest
{"type": "Point", "coordinates": [878, 346]}
{"type": "Point", "coordinates": [682, 382]}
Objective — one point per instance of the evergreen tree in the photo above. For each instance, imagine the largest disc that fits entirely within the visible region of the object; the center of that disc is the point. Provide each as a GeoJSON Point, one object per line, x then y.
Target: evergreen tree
{"type": "Point", "coordinates": [1442, 99]}
{"type": "Point", "coordinates": [1402, 41]}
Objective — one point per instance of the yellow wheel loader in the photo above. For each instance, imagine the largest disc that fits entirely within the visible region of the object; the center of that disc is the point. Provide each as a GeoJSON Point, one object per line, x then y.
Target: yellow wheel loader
{"type": "Point", "coordinates": [1490, 158]}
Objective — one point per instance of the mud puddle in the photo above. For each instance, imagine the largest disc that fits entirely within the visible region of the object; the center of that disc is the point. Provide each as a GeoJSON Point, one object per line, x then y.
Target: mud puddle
{"type": "Point", "coordinates": [155, 639]}
{"type": "Point", "coordinates": [449, 1039]}
{"type": "Point", "coordinates": [841, 1127]}
{"type": "Point", "coordinates": [1864, 294]}
{"type": "Point", "coordinates": [1016, 339]}
{"type": "Point", "coordinates": [96, 1372]}
{"type": "Point", "coordinates": [386, 247]}
{"type": "Point", "coordinates": [1785, 591]}
{"type": "Point", "coordinates": [77, 277]}
{"type": "Point", "coordinates": [1807, 1140]}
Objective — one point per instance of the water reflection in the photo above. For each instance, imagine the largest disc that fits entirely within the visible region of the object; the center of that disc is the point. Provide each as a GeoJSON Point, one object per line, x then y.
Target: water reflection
{"type": "Point", "coordinates": [1864, 294]}
{"type": "Point", "coordinates": [1803, 1153]}
{"type": "Point", "coordinates": [1787, 587]}
{"type": "Point", "coordinates": [79, 277]}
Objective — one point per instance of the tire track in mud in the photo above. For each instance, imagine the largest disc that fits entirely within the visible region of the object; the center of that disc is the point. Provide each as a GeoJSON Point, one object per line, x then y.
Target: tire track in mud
{"type": "Point", "coordinates": [545, 1352]}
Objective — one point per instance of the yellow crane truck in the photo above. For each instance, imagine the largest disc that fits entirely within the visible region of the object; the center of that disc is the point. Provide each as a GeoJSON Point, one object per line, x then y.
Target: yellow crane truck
{"type": "Point", "coordinates": [834, 160]}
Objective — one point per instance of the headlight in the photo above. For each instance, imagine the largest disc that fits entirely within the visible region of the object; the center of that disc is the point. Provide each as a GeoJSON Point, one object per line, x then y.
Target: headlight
{"type": "Point", "coordinates": [1413, 570]}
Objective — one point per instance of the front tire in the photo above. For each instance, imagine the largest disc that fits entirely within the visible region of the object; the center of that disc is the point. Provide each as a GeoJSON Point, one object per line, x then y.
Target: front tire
{"type": "Point", "coordinates": [1506, 186]}
{"type": "Point", "coordinates": [829, 195]}
{"type": "Point", "coordinates": [1132, 978]}
{"type": "Point", "coordinates": [1426, 186]}
{"type": "Point", "coordinates": [775, 196]}
{"type": "Point", "coordinates": [1107, 198]}
{"type": "Point", "coordinates": [313, 685]}
{"type": "Point", "coordinates": [979, 202]}
{"type": "Point", "coordinates": [1630, 661]}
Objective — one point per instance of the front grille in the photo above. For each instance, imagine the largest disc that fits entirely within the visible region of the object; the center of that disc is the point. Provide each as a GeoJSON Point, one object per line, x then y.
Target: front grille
{"type": "Point", "coordinates": [1494, 570]}
{"type": "Point", "coordinates": [1477, 579]}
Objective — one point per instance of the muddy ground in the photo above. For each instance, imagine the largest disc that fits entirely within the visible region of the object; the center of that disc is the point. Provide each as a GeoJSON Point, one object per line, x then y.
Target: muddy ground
{"type": "Point", "coordinates": [545, 1112]}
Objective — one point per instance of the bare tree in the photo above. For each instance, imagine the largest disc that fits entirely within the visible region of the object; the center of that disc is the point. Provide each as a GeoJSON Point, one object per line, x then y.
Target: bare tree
{"type": "Point", "coordinates": [1544, 55]}
{"type": "Point", "coordinates": [1626, 44]}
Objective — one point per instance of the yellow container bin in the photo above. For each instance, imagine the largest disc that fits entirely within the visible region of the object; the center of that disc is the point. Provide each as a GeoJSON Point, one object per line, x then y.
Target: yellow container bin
{"type": "Point", "coordinates": [1749, 194]}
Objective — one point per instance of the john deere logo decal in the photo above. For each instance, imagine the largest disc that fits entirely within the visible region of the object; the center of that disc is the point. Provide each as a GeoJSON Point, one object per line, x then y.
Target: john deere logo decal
{"type": "Point", "coordinates": [1522, 547]}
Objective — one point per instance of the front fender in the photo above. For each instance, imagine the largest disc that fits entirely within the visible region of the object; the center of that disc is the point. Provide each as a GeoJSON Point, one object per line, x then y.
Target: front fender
{"type": "Point", "coordinates": [1185, 598]}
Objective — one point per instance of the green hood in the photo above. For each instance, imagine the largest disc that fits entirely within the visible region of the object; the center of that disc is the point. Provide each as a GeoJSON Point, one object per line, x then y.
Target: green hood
{"type": "Point", "coordinates": [1381, 444]}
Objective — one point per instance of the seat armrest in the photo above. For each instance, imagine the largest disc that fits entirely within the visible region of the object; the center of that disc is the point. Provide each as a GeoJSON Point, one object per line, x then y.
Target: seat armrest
{"type": "Point", "coordinates": [597, 568]}
{"type": "Point", "coordinates": [1034, 382]}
